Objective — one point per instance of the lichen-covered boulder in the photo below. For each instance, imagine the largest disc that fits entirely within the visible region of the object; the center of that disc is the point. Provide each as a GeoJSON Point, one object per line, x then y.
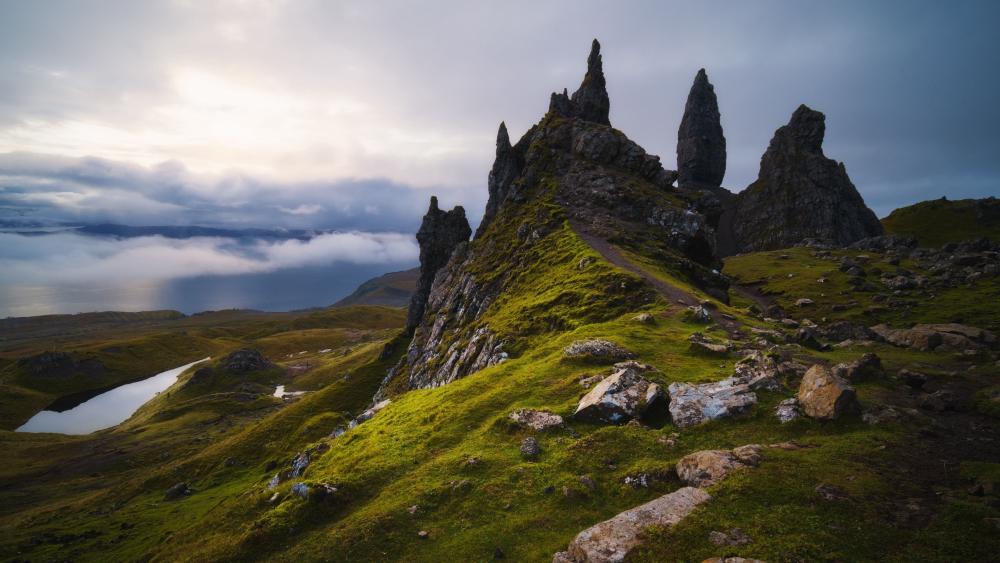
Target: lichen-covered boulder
{"type": "Point", "coordinates": [708, 467]}
{"type": "Point", "coordinates": [612, 540]}
{"type": "Point", "coordinates": [692, 404]}
{"type": "Point", "coordinates": [536, 420]}
{"type": "Point", "coordinates": [824, 395]}
{"type": "Point", "coordinates": [622, 396]}
{"type": "Point", "coordinates": [597, 350]}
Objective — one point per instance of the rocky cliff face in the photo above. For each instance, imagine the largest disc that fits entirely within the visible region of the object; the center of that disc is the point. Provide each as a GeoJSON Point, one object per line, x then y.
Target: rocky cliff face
{"type": "Point", "coordinates": [570, 168]}
{"type": "Point", "coordinates": [440, 233]}
{"type": "Point", "coordinates": [800, 194]}
{"type": "Point", "coordinates": [701, 146]}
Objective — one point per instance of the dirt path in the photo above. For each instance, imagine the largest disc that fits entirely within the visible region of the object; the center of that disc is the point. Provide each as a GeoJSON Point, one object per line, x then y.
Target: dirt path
{"type": "Point", "coordinates": [673, 294]}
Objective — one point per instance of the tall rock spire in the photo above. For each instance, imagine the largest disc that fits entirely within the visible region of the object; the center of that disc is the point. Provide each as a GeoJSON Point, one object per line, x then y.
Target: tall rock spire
{"type": "Point", "coordinates": [800, 193]}
{"type": "Point", "coordinates": [506, 169]}
{"type": "Point", "coordinates": [701, 146]}
{"type": "Point", "coordinates": [439, 234]}
{"type": "Point", "coordinates": [591, 98]}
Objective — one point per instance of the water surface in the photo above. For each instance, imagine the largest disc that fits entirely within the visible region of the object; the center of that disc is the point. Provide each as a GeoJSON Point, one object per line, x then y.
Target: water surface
{"type": "Point", "coordinates": [104, 410]}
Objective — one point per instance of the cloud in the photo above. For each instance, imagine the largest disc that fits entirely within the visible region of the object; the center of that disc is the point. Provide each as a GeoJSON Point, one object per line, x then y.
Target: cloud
{"type": "Point", "coordinates": [93, 190]}
{"type": "Point", "coordinates": [69, 258]}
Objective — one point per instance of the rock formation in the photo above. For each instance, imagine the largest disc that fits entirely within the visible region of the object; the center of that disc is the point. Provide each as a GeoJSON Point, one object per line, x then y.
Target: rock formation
{"type": "Point", "coordinates": [506, 168]}
{"type": "Point", "coordinates": [701, 146]}
{"type": "Point", "coordinates": [800, 194]}
{"type": "Point", "coordinates": [590, 101]}
{"type": "Point", "coordinates": [439, 234]}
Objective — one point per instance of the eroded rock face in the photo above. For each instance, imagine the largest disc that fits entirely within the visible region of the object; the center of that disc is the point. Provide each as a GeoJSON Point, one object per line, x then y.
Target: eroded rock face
{"type": "Point", "coordinates": [506, 168]}
{"type": "Point", "coordinates": [708, 467]}
{"type": "Point", "coordinates": [800, 194]}
{"type": "Point", "coordinates": [701, 146]}
{"type": "Point", "coordinates": [824, 395]}
{"type": "Point", "coordinates": [622, 396]}
{"type": "Point", "coordinates": [439, 234]}
{"type": "Point", "coordinates": [612, 540]}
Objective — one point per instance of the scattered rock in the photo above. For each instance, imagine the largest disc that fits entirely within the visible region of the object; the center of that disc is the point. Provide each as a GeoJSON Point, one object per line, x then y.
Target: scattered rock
{"type": "Point", "coordinates": [697, 314]}
{"type": "Point", "coordinates": [804, 302]}
{"type": "Point", "coordinates": [941, 400]}
{"type": "Point", "coordinates": [880, 414]}
{"type": "Point", "coordinates": [620, 397]}
{"type": "Point", "coordinates": [368, 414]}
{"type": "Point", "coordinates": [825, 396]}
{"type": "Point", "coordinates": [644, 318]}
{"type": "Point", "coordinates": [732, 537]}
{"type": "Point", "coordinates": [530, 448]}
{"type": "Point", "coordinates": [692, 404]}
{"type": "Point", "coordinates": [708, 467]}
{"type": "Point", "coordinates": [597, 350]}
{"type": "Point", "coordinates": [301, 489]}
{"type": "Point", "coordinates": [787, 410]}
{"type": "Point", "coordinates": [613, 539]}
{"type": "Point", "coordinates": [947, 336]}
{"type": "Point", "coordinates": [830, 492]}
{"type": "Point", "coordinates": [869, 366]}
{"type": "Point", "coordinates": [703, 346]}
{"type": "Point", "coordinates": [177, 491]}
{"type": "Point", "coordinates": [912, 379]}
{"type": "Point", "coordinates": [423, 534]}
{"type": "Point", "coordinates": [536, 420]}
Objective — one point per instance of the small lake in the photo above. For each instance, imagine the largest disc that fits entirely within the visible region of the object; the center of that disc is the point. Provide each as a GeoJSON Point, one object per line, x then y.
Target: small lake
{"type": "Point", "coordinates": [107, 409]}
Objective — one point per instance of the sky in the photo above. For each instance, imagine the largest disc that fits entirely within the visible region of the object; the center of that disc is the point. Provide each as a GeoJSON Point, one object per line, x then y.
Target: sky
{"type": "Point", "coordinates": [349, 115]}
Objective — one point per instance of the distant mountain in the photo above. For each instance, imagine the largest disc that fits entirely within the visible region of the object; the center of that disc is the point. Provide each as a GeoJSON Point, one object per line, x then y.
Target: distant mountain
{"type": "Point", "coordinates": [940, 221]}
{"type": "Point", "coordinates": [392, 290]}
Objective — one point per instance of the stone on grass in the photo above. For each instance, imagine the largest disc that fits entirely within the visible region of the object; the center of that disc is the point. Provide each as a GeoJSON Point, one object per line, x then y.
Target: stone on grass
{"type": "Point", "coordinates": [644, 318]}
{"type": "Point", "coordinates": [536, 420]}
{"type": "Point", "coordinates": [530, 448]}
{"type": "Point", "coordinates": [597, 350]}
{"type": "Point", "coordinates": [708, 467]}
{"type": "Point", "coordinates": [734, 537]}
{"type": "Point", "coordinates": [692, 404]}
{"type": "Point", "coordinates": [703, 346]}
{"type": "Point", "coordinates": [177, 491]}
{"type": "Point", "coordinates": [787, 410]}
{"type": "Point", "coordinates": [620, 397]}
{"type": "Point", "coordinates": [612, 540]}
{"type": "Point", "coordinates": [804, 302]}
{"type": "Point", "coordinates": [825, 396]}
{"type": "Point", "coordinates": [868, 366]}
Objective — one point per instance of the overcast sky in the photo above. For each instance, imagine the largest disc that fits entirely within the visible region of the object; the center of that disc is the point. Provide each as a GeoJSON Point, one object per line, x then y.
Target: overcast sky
{"type": "Point", "coordinates": [350, 114]}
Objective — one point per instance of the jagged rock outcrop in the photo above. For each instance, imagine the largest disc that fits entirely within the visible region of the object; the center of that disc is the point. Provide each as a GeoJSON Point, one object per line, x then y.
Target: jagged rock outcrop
{"type": "Point", "coordinates": [701, 146]}
{"type": "Point", "coordinates": [506, 168]}
{"type": "Point", "coordinates": [571, 167]}
{"type": "Point", "coordinates": [590, 101]}
{"type": "Point", "coordinates": [439, 234]}
{"type": "Point", "coordinates": [799, 194]}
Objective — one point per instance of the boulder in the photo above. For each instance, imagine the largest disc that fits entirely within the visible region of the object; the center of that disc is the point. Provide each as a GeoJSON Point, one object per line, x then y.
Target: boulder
{"type": "Point", "coordinates": [824, 395]}
{"type": "Point", "coordinates": [536, 420]}
{"type": "Point", "coordinates": [708, 467]}
{"type": "Point", "coordinates": [692, 404]}
{"type": "Point", "coordinates": [703, 346]}
{"type": "Point", "coordinates": [945, 336]}
{"type": "Point", "coordinates": [530, 448]}
{"type": "Point", "coordinates": [177, 491]}
{"type": "Point", "coordinates": [595, 349]}
{"type": "Point", "coordinates": [787, 410]}
{"type": "Point", "coordinates": [734, 537]}
{"type": "Point", "coordinates": [868, 366]}
{"type": "Point", "coordinates": [612, 540]}
{"type": "Point", "coordinates": [620, 397]}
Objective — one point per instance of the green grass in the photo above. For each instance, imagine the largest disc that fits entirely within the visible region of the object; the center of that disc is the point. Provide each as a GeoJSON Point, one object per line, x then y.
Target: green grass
{"type": "Point", "coordinates": [940, 221]}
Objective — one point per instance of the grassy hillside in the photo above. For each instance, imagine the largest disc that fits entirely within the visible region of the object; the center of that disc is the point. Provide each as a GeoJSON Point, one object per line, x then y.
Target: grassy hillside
{"type": "Point", "coordinates": [392, 290]}
{"type": "Point", "coordinates": [940, 221]}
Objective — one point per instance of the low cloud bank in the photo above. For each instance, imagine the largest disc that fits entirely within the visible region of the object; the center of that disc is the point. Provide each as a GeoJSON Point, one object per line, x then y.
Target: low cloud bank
{"type": "Point", "coordinates": [70, 258]}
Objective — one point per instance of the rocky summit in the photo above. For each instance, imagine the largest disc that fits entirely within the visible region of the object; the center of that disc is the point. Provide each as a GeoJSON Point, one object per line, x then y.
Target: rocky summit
{"type": "Point", "coordinates": [440, 232]}
{"type": "Point", "coordinates": [799, 194]}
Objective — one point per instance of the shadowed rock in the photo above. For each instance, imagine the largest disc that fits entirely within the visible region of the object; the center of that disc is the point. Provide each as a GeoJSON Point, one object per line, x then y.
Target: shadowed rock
{"type": "Point", "coordinates": [439, 234]}
{"type": "Point", "coordinates": [800, 194]}
{"type": "Point", "coordinates": [590, 101]}
{"type": "Point", "coordinates": [701, 146]}
{"type": "Point", "coordinates": [506, 168]}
